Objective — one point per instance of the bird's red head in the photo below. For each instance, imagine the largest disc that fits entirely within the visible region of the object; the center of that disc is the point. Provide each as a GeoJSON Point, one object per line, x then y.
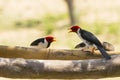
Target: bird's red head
{"type": "Point", "coordinates": [74, 28]}
{"type": "Point", "coordinates": [50, 39]}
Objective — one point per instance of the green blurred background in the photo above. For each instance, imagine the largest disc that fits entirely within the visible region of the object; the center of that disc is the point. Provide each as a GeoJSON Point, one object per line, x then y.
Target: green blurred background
{"type": "Point", "coordinates": [22, 21]}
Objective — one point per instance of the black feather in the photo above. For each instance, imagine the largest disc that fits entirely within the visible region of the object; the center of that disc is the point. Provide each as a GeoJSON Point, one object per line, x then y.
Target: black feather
{"type": "Point", "coordinates": [88, 36]}
{"type": "Point", "coordinates": [103, 52]}
{"type": "Point", "coordinates": [36, 42]}
{"type": "Point", "coordinates": [48, 44]}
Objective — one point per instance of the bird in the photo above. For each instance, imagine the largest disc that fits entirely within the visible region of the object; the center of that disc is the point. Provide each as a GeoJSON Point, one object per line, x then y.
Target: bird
{"type": "Point", "coordinates": [89, 39]}
{"type": "Point", "coordinates": [44, 42]}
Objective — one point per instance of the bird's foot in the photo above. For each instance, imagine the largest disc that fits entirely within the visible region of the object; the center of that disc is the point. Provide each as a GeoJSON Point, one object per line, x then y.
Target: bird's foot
{"type": "Point", "coordinates": [93, 51]}
{"type": "Point", "coordinates": [84, 49]}
{"type": "Point", "coordinates": [88, 52]}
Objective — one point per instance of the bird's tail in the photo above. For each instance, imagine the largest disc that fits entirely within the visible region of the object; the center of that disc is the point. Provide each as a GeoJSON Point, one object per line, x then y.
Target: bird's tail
{"type": "Point", "coordinates": [103, 52]}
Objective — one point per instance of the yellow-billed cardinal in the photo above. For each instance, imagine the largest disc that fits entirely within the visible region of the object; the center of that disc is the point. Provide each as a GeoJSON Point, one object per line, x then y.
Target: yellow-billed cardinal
{"type": "Point", "coordinates": [89, 39]}
{"type": "Point", "coordinates": [43, 42]}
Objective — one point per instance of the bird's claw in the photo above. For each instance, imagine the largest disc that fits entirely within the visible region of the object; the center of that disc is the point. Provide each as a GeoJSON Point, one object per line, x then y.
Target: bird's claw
{"type": "Point", "coordinates": [88, 52]}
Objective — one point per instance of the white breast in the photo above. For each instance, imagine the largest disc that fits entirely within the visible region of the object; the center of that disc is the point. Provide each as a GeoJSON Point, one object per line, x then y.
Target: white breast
{"type": "Point", "coordinates": [79, 34]}
{"type": "Point", "coordinates": [43, 45]}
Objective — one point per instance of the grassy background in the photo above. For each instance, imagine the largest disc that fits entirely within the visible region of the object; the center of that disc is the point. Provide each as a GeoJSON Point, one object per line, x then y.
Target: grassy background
{"type": "Point", "coordinates": [22, 21]}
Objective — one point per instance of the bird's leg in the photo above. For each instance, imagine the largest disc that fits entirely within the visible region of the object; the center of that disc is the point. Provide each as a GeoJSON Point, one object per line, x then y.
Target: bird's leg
{"type": "Point", "coordinates": [85, 48]}
{"type": "Point", "coordinates": [93, 49]}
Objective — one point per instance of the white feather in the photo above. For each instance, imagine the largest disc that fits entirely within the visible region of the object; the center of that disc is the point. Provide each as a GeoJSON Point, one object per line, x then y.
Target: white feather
{"type": "Point", "coordinates": [79, 34]}
{"type": "Point", "coordinates": [43, 45]}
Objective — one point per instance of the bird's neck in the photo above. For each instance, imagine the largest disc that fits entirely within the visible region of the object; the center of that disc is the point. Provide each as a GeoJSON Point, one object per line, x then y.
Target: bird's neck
{"type": "Point", "coordinates": [78, 31]}
{"type": "Point", "coordinates": [47, 43]}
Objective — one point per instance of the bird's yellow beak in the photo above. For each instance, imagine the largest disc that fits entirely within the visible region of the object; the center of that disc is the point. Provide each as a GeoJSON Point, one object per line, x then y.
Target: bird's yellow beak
{"type": "Point", "coordinates": [69, 30]}
{"type": "Point", "coordinates": [54, 39]}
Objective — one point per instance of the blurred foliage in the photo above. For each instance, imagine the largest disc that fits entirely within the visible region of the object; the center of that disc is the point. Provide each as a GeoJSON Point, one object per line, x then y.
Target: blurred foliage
{"type": "Point", "coordinates": [27, 23]}
{"type": "Point", "coordinates": [114, 28]}
{"type": "Point", "coordinates": [49, 22]}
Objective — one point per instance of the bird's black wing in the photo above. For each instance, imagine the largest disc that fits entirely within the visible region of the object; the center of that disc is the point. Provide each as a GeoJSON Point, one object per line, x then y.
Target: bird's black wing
{"type": "Point", "coordinates": [36, 42]}
{"type": "Point", "coordinates": [90, 37]}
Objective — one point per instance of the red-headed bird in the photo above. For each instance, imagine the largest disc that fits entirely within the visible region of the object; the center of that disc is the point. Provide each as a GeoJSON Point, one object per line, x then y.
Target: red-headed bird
{"type": "Point", "coordinates": [43, 42]}
{"type": "Point", "coordinates": [89, 39]}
